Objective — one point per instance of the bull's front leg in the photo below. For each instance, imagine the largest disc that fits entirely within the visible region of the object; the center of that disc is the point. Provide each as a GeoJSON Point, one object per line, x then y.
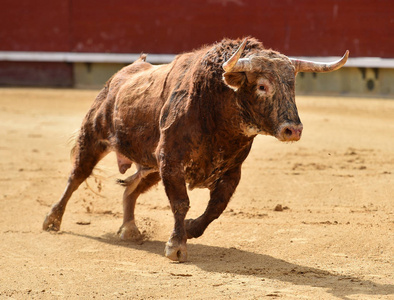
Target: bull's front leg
{"type": "Point", "coordinates": [172, 174]}
{"type": "Point", "coordinates": [220, 196]}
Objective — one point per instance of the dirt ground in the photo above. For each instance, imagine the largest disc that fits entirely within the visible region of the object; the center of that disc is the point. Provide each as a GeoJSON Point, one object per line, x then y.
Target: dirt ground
{"type": "Point", "coordinates": [333, 238]}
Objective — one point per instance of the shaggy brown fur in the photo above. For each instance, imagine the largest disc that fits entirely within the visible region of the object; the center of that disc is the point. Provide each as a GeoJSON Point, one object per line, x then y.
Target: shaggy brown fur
{"type": "Point", "coordinates": [186, 122]}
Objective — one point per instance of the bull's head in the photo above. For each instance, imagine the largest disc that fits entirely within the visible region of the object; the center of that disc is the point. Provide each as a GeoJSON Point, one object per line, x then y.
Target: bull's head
{"type": "Point", "coordinates": [265, 87]}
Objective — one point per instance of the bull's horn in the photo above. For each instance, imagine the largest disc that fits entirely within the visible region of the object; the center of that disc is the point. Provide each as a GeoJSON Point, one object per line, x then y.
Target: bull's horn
{"type": "Point", "coordinates": [234, 64]}
{"type": "Point", "coordinates": [318, 67]}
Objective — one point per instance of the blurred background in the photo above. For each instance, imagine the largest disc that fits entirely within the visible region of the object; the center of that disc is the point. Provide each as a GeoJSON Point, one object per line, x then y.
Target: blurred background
{"type": "Point", "coordinates": [82, 43]}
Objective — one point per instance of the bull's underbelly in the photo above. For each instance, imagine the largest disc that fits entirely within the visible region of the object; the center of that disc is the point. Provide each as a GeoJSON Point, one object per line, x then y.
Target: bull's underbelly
{"type": "Point", "coordinates": [212, 164]}
{"type": "Point", "coordinates": [199, 175]}
{"type": "Point", "coordinates": [201, 181]}
{"type": "Point", "coordinates": [136, 138]}
{"type": "Point", "coordinates": [135, 147]}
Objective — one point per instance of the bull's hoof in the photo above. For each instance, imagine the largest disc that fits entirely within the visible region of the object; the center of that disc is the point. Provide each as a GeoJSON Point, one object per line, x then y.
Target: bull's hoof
{"type": "Point", "coordinates": [129, 232]}
{"type": "Point", "coordinates": [51, 222]}
{"type": "Point", "coordinates": [175, 251]}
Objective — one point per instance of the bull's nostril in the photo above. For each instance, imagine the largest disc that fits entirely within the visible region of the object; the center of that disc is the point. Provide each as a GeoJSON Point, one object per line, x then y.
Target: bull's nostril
{"type": "Point", "coordinates": [288, 132]}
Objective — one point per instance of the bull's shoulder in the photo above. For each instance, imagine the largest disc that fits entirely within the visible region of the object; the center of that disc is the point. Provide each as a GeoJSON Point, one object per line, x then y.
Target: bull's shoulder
{"type": "Point", "coordinates": [174, 109]}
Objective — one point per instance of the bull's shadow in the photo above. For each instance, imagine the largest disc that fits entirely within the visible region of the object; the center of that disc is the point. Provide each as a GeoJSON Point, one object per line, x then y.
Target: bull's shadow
{"type": "Point", "coordinates": [263, 266]}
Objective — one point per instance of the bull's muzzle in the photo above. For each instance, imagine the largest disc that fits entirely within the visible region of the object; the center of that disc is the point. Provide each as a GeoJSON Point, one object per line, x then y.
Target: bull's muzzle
{"type": "Point", "coordinates": [290, 132]}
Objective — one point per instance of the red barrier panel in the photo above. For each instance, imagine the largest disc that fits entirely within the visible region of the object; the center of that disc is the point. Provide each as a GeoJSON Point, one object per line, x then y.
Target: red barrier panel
{"type": "Point", "coordinates": [308, 28]}
{"type": "Point", "coordinates": [39, 25]}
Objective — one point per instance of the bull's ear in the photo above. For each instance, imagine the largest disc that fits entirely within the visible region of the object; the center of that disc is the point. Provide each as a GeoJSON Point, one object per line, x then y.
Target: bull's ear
{"type": "Point", "coordinates": [234, 79]}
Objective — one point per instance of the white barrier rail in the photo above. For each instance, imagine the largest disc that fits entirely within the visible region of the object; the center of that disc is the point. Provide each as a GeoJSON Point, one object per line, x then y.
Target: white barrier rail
{"type": "Point", "coordinates": [78, 57]}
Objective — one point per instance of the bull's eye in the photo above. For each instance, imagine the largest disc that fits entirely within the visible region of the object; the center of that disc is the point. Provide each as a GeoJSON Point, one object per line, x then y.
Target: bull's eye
{"type": "Point", "coordinates": [264, 87]}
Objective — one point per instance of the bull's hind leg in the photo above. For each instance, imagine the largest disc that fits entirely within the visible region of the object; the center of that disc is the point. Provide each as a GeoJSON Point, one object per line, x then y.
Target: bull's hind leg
{"type": "Point", "coordinates": [135, 185]}
{"type": "Point", "coordinates": [220, 196]}
{"type": "Point", "coordinates": [88, 152]}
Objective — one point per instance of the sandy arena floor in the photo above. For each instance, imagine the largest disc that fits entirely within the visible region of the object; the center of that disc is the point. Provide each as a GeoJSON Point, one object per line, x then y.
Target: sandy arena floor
{"type": "Point", "coordinates": [334, 238]}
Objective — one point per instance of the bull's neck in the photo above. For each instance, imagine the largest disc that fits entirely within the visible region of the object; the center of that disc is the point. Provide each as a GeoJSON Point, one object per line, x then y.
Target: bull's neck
{"type": "Point", "coordinates": [229, 124]}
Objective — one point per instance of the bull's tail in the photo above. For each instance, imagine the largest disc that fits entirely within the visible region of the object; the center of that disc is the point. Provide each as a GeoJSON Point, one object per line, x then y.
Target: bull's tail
{"type": "Point", "coordinates": [72, 140]}
{"type": "Point", "coordinates": [122, 182]}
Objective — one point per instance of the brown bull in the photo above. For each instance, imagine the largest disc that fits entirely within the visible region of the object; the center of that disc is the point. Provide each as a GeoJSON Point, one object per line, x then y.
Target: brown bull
{"type": "Point", "coordinates": [192, 122]}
